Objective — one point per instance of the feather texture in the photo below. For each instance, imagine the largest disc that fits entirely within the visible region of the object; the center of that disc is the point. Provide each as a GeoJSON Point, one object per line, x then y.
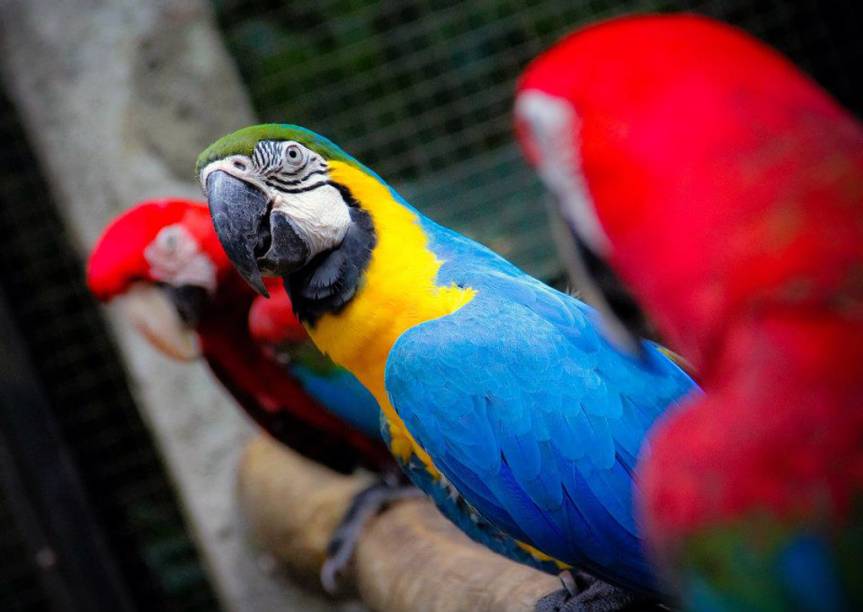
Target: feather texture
{"type": "Point", "coordinates": [530, 413]}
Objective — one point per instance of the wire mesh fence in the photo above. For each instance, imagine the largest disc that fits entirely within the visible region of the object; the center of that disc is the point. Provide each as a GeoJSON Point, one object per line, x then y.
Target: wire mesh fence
{"type": "Point", "coordinates": [421, 90]}
{"type": "Point", "coordinates": [69, 346]}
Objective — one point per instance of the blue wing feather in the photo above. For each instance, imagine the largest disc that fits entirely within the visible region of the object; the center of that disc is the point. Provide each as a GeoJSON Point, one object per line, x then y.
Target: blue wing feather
{"type": "Point", "coordinates": [343, 395]}
{"type": "Point", "coordinates": [530, 414]}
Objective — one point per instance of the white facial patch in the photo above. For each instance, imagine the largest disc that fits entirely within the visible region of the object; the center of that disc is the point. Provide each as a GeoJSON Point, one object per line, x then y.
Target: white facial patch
{"type": "Point", "coordinates": [296, 179]}
{"type": "Point", "coordinates": [320, 214]}
{"type": "Point", "coordinates": [176, 258]}
{"type": "Point", "coordinates": [554, 128]}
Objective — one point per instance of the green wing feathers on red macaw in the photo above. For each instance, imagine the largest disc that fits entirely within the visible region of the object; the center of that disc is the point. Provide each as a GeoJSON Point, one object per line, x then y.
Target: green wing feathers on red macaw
{"type": "Point", "coordinates": [726, 189]}
{"type": "Point", "coordinates": [163, 261]}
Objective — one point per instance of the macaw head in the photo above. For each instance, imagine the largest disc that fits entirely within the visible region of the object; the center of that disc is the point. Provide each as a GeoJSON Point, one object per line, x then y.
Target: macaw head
{"type": "Point", "coordinates": [162, 261]}
{"type": "Point", "coordinates": [280, 200]}
{"type": "Point", "coordinates": [697, 162]}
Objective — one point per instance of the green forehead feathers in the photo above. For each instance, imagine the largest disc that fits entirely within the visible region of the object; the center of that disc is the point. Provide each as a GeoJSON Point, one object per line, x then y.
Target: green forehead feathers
{"type": "Point", "coordinates": [242, 142]}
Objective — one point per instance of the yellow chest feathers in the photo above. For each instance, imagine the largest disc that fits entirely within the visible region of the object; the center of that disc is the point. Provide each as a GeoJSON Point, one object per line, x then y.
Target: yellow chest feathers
{"type": "Point", "coordinates": [397, 292]}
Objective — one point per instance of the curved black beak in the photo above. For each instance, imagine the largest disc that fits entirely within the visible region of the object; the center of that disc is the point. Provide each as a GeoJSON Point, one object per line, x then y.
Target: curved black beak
{"type": "Point", "coordinates": [618, 299]}
{"type": "Point", "coordinates": [624, 323]}
{"type": "Point", "coordinates": [241, 217]}
{"type": "Point", "coordinates": [257, 240]}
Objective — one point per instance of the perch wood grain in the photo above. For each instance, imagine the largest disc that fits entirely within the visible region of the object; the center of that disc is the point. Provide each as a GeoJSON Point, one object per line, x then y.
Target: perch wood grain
{"type": "Point", "coordinates": [409, 558]}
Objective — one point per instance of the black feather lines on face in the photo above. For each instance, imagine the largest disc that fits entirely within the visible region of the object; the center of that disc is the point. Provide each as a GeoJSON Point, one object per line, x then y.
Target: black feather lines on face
{"type": "Point", "coordinates": [293, 182]}
{"type": "Point", "coordinates": [266, 158]}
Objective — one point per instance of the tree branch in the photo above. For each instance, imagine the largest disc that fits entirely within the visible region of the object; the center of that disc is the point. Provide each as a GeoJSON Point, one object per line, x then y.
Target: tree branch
{"type": "Point", "coordinates": [408, 558]}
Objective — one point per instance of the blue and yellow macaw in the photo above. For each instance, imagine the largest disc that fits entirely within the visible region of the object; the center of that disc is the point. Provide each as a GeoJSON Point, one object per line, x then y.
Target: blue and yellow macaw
{"type": "Point", "coordinates": [498, 393]}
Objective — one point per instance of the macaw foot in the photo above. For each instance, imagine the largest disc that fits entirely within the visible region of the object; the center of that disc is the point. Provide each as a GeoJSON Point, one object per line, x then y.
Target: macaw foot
{"type": "Point", "coordinates": [367, 503]}
{"type": "Point", "coordinates": [582, 592]}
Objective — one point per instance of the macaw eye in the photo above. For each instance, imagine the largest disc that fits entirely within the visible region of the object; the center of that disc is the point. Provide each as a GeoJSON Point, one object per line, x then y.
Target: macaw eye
{"type": "Point", "coordinates": [295, 157]}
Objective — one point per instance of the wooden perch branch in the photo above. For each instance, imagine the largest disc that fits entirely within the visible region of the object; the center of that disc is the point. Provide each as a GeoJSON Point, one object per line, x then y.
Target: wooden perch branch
{"type": "Point", "coordinates": [409, 558]}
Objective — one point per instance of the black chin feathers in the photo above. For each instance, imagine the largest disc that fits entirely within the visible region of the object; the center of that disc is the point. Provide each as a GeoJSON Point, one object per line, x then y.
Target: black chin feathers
{"type": "Point", "coordinates": [327, 283]}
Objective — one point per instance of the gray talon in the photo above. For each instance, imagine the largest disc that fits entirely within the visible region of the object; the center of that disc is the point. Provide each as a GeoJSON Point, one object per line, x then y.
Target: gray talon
{"type": "Point", "coordinates": [366, 504]}
{"type": "Point", "coordinates": [582, 592]}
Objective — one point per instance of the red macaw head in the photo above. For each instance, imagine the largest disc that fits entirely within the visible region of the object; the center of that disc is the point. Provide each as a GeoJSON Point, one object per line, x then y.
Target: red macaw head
{"type": "Point", "coordinates": [712, 175]}
{"type": "Point", "coordinates": [162, 260]}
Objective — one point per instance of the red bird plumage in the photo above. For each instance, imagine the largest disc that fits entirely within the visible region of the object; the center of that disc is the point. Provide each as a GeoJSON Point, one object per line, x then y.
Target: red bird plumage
{"type": "Point", "coordinates": [247, 368]}
{"type": "Point", "coordinates": [272, 321]}
{"type": "Point", "coordinates": [726, 189]}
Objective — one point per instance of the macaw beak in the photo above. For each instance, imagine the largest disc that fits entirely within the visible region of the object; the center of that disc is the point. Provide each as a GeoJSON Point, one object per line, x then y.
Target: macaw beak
{"type": "Point", "coordinates": [188, 301]}
{"type": "Point", "coordinates": [623, 323]}
{"type": "Point", "coordinates": [257, 239]}
{"type": "Point", "coordinates": [154, 315]}
{"type": "Point", "coordinates": [239, 211]}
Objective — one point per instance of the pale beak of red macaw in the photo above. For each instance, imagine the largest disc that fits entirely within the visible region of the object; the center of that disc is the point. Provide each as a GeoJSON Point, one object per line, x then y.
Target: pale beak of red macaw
{"type": "Point", "coordinates": [153, 314]}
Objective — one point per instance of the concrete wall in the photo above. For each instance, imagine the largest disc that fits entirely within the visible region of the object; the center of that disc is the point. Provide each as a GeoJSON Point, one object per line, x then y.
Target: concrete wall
{"type": "Point", "coordinates": [118, 97]}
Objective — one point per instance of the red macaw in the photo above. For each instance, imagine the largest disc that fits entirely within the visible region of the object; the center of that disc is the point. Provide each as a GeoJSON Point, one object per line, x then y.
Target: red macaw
{"type": "Point", "coordinates": [272, 320]}
{"type": "Point", "coordinates": [725, 188]}
{"type": "Point", "coordinates": [168, 249]}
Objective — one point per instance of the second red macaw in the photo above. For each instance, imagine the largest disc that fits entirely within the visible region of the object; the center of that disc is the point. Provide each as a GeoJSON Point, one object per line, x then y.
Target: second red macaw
{"type": "Point", "coordinates": [725, 188]}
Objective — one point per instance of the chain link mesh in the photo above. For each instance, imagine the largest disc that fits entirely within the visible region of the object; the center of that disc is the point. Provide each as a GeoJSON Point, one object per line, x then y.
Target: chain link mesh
{"type": "Point", "coordinates": [421, 91]}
